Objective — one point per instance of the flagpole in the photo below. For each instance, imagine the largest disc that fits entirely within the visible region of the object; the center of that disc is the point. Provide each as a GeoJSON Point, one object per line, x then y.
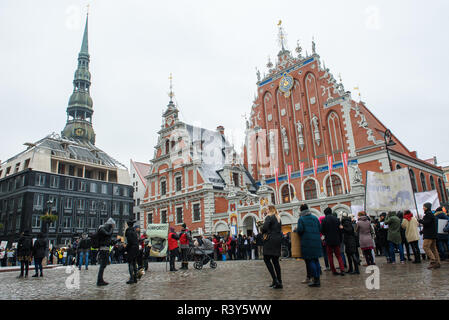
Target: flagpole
{"type": "Point", "coordinates": [289, 172]}
{"type": "Point", "coordinates": [344, 173]}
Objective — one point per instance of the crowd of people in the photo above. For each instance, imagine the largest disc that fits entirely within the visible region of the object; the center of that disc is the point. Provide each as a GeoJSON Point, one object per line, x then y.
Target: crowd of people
{"type": "Point", "coordinates": [342, 237]}
{"type": "Point", "coordinates": [345, 237]}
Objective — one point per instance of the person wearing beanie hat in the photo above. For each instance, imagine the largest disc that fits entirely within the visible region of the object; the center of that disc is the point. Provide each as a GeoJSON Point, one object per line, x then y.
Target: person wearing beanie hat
{"type": "Point", "coordinates": [331, 229]}
{"type": "Point", "coordinates": [104, 239]}
{"type": "Point", "coordinates": [184, 240]}
{"type": "Point", "coordinates": [429, 233]}
{"type": "Point", "coordinates": [132, 250]}
{"type": "Point", "coordinates": [173, 247]}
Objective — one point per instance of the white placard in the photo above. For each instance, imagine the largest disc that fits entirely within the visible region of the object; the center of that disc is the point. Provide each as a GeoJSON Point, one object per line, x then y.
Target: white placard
{"type": "Point", "coordinates": [441, 224]}
{"type": "Point", "coordinates": [3, 244]}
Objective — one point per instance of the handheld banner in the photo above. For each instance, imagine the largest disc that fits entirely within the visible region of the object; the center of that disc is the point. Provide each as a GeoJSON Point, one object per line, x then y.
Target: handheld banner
{"type": "Point", "coordinates": [158, 238]}
{"type": "Point", "coordinates": [391, 191]}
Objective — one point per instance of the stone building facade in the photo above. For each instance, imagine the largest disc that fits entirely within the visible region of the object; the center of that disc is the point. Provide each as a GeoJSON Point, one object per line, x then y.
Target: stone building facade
{"type": "Point", "coordinates": [85, 185]}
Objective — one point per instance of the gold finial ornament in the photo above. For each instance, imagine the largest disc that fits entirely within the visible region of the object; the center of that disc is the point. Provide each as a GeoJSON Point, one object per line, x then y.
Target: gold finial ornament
{"type": "Point", "coordinates": [171, 94]}
{"type": "Point", "coordinates": [88, 7]}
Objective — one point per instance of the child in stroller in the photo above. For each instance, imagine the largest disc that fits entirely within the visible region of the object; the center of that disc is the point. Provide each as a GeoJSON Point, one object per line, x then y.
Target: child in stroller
{"type": "Point", "coordinates": [203, 252]}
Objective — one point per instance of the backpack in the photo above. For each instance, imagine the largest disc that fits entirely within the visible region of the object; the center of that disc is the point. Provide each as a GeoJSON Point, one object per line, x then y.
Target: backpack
{"type": "Point", "coordinates": [95, 240]}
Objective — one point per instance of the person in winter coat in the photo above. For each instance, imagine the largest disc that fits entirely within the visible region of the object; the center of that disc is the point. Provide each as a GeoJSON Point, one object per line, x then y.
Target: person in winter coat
{"type": "Point", "coordinates": [184, 240]}
{"type": "Point", "coordinates": [83, 249]}
{"type": "Point", "coordinates": [173, 248]}
{"type": "Point", "coordinates": [350, 244]}
{"type": "Point", "coordinates": [365, 231]}
{"type": "Point", "coordinates": [24, 252]}
{"type": "Point", "coordinates": [272, 234]}
{"type": "Point", "coordinates": [404, 243]}
{"type": "Point", "coordinates": [383, 235]}
{"type": "Point", "coordinates": [330, 228]}
{"type": "Point", "coordinates": [104, 239]}
{"type": "Point", "coordinates": [132, 248]}
{"type": "Point", "coordinates": [309, 231]}
{"type": "Point", "coordinates": [429, 233]}
{"type": "Point", "coordinates": [442, 238]}
{"type": "Point", "coordinates": [394, 237]}
{"type": "Point", "coordinates": [410, 225]}
{"type": "Point", "coordinates": [39, 252]}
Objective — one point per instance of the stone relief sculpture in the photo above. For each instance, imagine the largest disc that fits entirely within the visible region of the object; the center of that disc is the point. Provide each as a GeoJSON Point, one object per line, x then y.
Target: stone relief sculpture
{"type": "Point", "coordinates": [272, 144]}
{"type": "Point", "coordinates": [357, 175]}
{"type": "Point", "coordinates": [285, 140]}
{"type": "Point", "coordinates": [316, 131]}
{"type": "Point", "coordinates": [300, 135]}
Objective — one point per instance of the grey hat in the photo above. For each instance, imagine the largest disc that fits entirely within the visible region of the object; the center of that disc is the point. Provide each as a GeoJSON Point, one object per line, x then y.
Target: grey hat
{"type": "Point", "coordinates": [110, 221]}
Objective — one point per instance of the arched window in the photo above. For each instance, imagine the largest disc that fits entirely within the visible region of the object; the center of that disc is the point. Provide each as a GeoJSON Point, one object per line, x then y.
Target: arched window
{"type": "Point", "coordinates": [167, 146]}
{"type": "Point", "coordinates": [335, 136]}
{"type": "Point", "coordinates": [286, 194]}
{"type": "Point", "coordinates": [440, 185]}
{"type": "Point", "coordinates": [413, 180]}
{"type": "Point", "coordinates": [310, 191]}
{"type": "Point", "coordinates": [432, 183]}
{"type": "Point", "coordinates": [336, 186]}
{"type": "Point", "coordinates": [423, 182]}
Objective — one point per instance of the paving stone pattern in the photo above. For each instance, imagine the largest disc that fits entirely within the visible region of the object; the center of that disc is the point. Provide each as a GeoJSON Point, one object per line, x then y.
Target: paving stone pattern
{"type": "Point", "coordinates": [231, 280]}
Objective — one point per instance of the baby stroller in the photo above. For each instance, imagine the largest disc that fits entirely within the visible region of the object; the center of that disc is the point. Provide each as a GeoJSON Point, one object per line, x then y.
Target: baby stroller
{"type": "Point", "coordinates": [202, 255]}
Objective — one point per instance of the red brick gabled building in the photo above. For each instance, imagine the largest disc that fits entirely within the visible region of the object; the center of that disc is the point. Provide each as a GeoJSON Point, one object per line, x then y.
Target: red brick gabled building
{"type": "Point", "coordinates": [192, 175]}
{"type": "Point", "coordinates": [302, 113]}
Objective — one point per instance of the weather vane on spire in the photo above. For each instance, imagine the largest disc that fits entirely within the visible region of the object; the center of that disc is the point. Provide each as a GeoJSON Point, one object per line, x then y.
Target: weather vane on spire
{"type": "Point", "coordinates": [171, 94]}
{"type": "Point", "coordinates": [281, 36]}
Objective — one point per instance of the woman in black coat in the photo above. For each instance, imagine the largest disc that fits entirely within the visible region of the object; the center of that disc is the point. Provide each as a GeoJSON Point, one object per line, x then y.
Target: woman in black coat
{"type": "Point", "coordinates": [39, 250]}
{"type": "Point", "coordinates": [272, 235]}
{"type": "Point", "coordinates": [24, 247]}
{"type": "Point", "coordinates": [350, 241]}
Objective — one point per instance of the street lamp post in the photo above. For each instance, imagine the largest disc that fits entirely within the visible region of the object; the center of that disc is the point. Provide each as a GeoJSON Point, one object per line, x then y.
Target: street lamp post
{"type": "Point", "coordinates": [389, 143]}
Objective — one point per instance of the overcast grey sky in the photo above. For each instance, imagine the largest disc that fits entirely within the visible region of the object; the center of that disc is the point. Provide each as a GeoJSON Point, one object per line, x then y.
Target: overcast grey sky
{"type": "Point", "coordinates": [395, 51]}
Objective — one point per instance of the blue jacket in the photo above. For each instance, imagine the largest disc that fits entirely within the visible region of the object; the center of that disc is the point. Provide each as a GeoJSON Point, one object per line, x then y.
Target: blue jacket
{"type": "Point", "coordinates": [309, 232]}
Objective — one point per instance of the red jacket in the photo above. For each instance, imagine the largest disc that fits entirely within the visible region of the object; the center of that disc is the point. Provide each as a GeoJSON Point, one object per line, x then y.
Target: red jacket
{"type": "Point", "coordinates": [172, 241]}
{"type": "Point", "coordinates": [215, 241]}
{"type": "Point", "coordinates": [183, 239]}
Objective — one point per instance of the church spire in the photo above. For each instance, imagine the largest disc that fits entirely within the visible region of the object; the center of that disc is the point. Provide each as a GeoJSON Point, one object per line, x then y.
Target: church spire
{"type": "Point", "coordinates": [85, 44]}
{"type": "Point", "coordinates": [79, 110]}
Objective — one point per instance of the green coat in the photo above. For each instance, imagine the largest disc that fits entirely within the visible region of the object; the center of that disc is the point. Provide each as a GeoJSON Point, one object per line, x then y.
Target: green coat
{"type": "Point", "coordinates": [394, 229]}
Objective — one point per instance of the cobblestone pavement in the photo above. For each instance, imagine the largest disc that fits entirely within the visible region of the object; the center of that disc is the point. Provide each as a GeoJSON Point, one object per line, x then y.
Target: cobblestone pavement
{"type": "Point", "coordinates": [231, 280]}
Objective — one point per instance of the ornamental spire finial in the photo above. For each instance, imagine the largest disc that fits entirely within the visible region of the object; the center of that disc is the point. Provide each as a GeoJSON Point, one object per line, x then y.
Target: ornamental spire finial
{"type": "Point", "coordinates": [171, 94]}
{"type": "Point", "coordinates": [282, 36]}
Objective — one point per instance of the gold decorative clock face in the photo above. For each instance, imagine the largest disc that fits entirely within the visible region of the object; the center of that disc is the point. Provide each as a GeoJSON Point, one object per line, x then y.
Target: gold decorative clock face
{"type": "Point", "coordinates": [79, 131]}
{"type": "Point", "coordinates": [169, 121]}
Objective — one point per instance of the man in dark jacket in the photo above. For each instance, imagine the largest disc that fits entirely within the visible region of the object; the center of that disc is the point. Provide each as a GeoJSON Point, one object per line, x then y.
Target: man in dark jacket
{"type": "Point", "coordinates": [24, 247]}
{"type": "Point", "coordinates": [83, 249]}
{"type": "Point", "coordinates": [429, 233]}
{"type": "Point", "coordinates": [132, 249]}
{"type": "Point", "coordinates": [39, 252]}
{"type": "Point", "coordinates": [259, 243]}
{"type": "Point", "coordinates": [104, 238]}
{"type": "Point", "coordinates": [330, 228]}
